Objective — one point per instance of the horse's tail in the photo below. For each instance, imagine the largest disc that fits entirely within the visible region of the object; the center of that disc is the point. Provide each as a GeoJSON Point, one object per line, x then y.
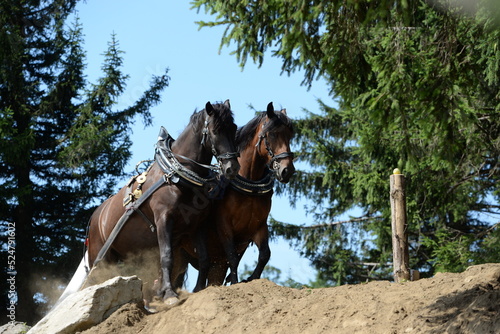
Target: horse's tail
{"type": "Point", "coordinates": [77, 280]}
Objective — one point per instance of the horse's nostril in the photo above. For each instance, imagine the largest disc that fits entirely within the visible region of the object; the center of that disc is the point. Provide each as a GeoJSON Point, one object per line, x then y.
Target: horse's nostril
{"type": "Point", "coordinates": [230, 171]}
{"type": "Point", "coordinates": [286, 173]}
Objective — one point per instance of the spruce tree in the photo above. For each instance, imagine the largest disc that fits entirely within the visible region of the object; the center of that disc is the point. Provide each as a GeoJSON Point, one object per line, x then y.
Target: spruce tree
{"type": "Point", "coordinates": [416, 86]}
{"type": "Point", "coordinates": [63, 144]}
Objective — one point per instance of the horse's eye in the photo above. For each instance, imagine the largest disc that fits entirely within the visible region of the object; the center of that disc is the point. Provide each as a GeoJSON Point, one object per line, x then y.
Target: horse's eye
{"type": "Point", "coordinates": [271, 135]}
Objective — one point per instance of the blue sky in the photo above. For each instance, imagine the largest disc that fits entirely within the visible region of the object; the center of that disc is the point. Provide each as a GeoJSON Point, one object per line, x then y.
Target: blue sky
{"type": "Point", "coordinates": [162, 34]}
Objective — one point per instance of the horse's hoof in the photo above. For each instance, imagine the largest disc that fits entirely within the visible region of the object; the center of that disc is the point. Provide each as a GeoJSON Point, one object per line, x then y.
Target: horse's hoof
{"type": "Point", "coordinates": [150, 309]}
{"type": "Point", "coordinates": [171, 301]}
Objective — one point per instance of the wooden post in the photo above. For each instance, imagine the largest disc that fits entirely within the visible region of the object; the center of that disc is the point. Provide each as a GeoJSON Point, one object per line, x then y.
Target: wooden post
{"type": "Point", "coordinates": [400, 252]}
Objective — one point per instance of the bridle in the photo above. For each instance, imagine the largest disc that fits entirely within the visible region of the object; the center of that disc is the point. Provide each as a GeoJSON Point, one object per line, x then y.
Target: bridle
{"type": "Point", "coordinates": [274, 163]}
{"type": "Point", "coordinates": [219, 157]}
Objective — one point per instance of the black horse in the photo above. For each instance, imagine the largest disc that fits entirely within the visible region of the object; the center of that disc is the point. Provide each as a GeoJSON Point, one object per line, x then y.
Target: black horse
{"type": "Point", "coordinates": [181, 201]}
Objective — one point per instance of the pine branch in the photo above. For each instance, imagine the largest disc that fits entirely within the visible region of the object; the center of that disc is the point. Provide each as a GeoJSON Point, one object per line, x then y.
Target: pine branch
{"type": "Point", "coordinates": [486, 232]}
{"type": "Point", "coordinates": [353, 220]}
{"type": "Point", "coordinates": [292, 231]}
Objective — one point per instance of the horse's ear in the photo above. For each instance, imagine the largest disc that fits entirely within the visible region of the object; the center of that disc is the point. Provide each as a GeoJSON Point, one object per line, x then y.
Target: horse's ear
{"type": "Point", "coordinates": [270, 110]}
{"type": "Point", "coordinates": [283, 111]}
{"type": "Point", "coordinates": [226, 103]}
{"type": "Point", "coordinates": [209, 108]}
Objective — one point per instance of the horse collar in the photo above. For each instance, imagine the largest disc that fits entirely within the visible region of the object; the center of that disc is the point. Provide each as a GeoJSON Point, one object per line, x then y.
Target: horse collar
{"type": "Point", "coordinates": [262, 187]}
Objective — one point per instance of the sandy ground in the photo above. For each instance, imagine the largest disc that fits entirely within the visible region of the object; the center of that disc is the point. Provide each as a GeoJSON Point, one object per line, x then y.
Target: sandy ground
{"type": "Point", "coordinates": [468, 302]}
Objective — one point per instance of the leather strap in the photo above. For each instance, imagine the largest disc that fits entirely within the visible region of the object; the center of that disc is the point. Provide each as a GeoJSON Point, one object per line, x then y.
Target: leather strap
{"type": "Point", "coordinates": [124, 218]}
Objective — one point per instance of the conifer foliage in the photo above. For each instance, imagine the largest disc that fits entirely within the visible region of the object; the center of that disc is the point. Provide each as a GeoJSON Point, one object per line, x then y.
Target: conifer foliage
{"type": "Point", "coordinates": [63, 142]}
{"type": "Point", "coordinates": [416, 86]}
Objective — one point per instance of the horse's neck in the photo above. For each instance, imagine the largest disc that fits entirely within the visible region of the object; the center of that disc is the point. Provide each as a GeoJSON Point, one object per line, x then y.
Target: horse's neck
{"type": "Point", "coordinates": [252, 165]}
{"type": "Point", "coordinates": [189, 145]}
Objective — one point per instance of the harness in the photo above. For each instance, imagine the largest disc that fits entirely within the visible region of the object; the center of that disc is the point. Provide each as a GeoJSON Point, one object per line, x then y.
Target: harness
{"type": "Point", "coordinates": [124, 218]}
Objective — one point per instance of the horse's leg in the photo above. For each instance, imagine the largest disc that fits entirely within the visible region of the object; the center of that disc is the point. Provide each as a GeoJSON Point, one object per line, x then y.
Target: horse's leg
{"type": "Point", "coordinates": [232, 257]}
{"type": "Point", "coordinates": [240, 256]}
{"type": "Point", "coordinates": [262, 241]}
{"type": "Point", "coordinates": [203, 259]}
{"type": "Point", "coordinates": [217, 273]}
{"type": "Point", "coordinates": [179, 268]}
{"type": "Point", "coordinates": [164, 231]}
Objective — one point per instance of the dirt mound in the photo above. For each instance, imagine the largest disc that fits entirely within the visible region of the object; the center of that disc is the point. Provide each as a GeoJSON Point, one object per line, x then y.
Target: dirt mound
{"type": "Point", "coordinates": [468, 302]}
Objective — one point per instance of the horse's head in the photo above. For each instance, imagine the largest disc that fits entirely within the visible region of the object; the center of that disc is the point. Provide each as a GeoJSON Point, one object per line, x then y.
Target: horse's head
{"type": "Point", "coordinates": [219, 135]}
{"type": "Point", "coordinates": [276, 132]}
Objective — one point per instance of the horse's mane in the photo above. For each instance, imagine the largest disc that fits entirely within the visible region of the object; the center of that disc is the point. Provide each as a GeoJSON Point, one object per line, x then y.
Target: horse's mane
{"type": "Point", "coordinates": [246, 133]}
{"type": "Point", "coordinates": [222, 121]}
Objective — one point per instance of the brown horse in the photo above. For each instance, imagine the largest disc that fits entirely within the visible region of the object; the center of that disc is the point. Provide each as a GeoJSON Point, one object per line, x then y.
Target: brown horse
{"type": "Point", "coordinates": [177, 207]}
{"type": "Point", "coordinates": [241, 216]}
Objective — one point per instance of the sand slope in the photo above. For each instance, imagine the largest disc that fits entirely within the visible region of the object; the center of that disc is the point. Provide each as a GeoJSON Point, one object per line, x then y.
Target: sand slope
{"type": "Point", "coordinates": [468, 302]}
